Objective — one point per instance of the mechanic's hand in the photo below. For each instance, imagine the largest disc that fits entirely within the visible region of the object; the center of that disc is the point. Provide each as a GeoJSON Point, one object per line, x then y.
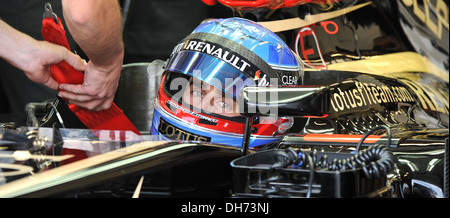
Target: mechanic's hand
{"type": "Point", "coordinates": [99, 87]}
{"type": "Point", "coordinates": [41, 56]}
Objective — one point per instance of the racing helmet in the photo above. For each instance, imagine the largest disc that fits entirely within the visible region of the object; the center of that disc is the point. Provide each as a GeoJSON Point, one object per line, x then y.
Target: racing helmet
{"type": "Point", "coordinates": [198, 98]}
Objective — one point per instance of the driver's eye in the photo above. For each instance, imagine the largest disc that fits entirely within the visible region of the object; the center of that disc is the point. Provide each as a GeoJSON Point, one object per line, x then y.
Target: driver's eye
{"type": "Point", "coordinates": [224, 105]}
{"type": "Point", "coordinates": [197, 93]}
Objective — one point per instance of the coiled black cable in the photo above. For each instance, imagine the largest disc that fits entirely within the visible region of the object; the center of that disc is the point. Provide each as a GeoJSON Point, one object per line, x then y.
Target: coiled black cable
{"type": "Point", "coordinates": [376, 161]}
{"type": "Point", "coordinates": [285, 158]}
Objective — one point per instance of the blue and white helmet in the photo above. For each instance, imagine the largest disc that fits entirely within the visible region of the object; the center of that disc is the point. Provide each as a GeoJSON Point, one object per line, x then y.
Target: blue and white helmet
{"type": "Point", "coordinates": [206, 71]}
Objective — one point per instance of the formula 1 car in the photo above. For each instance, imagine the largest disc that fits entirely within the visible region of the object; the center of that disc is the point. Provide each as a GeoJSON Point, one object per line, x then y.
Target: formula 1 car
{"type": "Point", "coordinates": [370, 112]}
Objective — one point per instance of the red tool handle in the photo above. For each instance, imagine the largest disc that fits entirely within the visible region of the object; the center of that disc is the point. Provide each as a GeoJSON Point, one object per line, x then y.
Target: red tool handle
{"type": "Point", "coordinates": [110, 119]}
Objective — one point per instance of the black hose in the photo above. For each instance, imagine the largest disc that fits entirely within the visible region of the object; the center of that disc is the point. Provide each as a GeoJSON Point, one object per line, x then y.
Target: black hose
{"type": "Point", "coordinates": [283, 159]}
{"type": "Point", "coordinates": [376, 161]}
{"type": "Point", "coordinates": [358, 146]}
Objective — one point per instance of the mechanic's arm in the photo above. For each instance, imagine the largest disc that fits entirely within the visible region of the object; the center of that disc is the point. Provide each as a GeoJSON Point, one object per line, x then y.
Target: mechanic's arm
{"type": "Point", "coordinates": [34, 57]}
{"type": "Point", "coordinates": [96, 27]}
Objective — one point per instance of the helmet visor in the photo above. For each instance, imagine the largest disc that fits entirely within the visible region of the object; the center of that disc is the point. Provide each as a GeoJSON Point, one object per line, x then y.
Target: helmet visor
{"type": "Point", "coordinates": [210, 70]}
{"type": "Point", "coordinates": [199, 96]}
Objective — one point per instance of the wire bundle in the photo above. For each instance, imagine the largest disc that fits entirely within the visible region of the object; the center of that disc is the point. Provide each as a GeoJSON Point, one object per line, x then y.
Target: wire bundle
{"type": "Point", "coordinates": [376, 161]}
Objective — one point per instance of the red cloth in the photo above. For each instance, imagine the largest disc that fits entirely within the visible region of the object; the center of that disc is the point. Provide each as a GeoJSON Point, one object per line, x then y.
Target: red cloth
{"type": "Point", "coordinates": [111, 119]}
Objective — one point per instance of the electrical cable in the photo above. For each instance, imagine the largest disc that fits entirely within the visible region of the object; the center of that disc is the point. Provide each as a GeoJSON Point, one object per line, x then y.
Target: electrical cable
{"type": "Point", "coordinates": [373, 130]}
{"type": "Point", "coordinates": [311, 176]}
{"type": "Point", "coordinates": [376, 161]}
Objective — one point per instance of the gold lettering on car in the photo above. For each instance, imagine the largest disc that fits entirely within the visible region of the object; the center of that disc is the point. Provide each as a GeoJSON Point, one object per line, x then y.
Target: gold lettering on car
{"type": "Point", "coordinates": [439, 10]}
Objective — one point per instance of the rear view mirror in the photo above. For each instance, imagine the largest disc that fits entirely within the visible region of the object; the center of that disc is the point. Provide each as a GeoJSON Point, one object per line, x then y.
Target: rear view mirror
{"type": "Point", "coordinates": [293, 101]}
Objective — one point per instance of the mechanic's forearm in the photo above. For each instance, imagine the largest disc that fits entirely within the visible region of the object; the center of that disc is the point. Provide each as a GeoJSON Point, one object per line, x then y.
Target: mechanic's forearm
{"type": "Point", "coordinates": [34, 57]}
{"type": "Point", "coordinates": [15, 47]}
{"type": "Point", "coordinates": [96, 27]}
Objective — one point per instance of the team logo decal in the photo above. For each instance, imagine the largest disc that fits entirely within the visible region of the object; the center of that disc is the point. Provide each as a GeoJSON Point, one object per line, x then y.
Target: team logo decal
{"type": "Point", "coordinates": [175, 133]}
